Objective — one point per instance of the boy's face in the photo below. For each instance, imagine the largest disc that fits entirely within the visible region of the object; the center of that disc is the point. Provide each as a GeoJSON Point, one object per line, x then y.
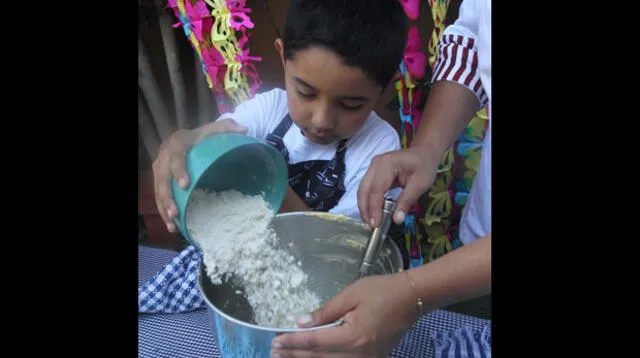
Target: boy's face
{"type": "Point", "coordinates": [328, 100]}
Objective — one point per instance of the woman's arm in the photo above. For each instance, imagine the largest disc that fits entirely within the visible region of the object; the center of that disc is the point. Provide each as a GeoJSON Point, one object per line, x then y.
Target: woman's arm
{"type": "Point", "coordinates": [460, 275]}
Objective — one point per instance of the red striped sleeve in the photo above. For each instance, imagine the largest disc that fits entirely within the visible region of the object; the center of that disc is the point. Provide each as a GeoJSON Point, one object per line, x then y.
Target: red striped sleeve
{"type": "Point", "coordinates": [458, 62]}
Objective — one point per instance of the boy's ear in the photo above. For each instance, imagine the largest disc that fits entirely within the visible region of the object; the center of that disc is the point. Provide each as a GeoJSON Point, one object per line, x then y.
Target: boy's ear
{"type": "Point", "coordinates": [397, 76]}
{"type": "Point", "coordinates": [278, 44]}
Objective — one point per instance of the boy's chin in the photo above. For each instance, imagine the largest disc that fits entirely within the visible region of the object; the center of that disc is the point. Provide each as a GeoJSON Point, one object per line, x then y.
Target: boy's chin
{"type": "Point", "coordinates": [321, 140]}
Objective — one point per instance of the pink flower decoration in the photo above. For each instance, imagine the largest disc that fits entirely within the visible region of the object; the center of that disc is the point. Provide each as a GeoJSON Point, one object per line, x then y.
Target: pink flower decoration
{"type": "Point", "coordinates": [414, 59]}
{"type": "Point", "coordinates": [411, 8]}
{"type": "Point", "coordinates": [239, 15]}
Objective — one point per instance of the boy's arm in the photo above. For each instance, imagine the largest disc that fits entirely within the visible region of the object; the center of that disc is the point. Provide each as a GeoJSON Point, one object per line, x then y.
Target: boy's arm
{"type": "Point", "coordinates": [260, 113]}
{"type": "Point", "coordinates": [292, 202]}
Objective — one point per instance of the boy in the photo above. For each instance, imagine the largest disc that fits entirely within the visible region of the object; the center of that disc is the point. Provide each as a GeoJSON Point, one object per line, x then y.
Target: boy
{"type": "Point", "coordinates": [338, 57]}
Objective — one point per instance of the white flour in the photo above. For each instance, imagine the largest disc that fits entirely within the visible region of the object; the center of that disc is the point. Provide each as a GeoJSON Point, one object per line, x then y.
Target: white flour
{"type": "Point", "coordinates": [233, 231]}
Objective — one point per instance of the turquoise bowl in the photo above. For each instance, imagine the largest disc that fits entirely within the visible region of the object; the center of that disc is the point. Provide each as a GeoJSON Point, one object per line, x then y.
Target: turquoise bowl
{"type": "Point", "coordinates": [231, 161]}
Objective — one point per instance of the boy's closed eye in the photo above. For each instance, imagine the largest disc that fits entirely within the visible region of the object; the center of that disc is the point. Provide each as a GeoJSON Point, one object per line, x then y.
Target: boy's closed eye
{"type": "Point", "coordinates": [351, 107]}
{"type": "Point", "coordinates": [305, 93]}
{"type": "Point", "coordinates": [343, 105]}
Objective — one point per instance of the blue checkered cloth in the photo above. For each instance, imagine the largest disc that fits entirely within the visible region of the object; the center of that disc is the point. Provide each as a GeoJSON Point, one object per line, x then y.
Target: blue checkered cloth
{"type": "Point", "coordinates": [463, 342]}
{"type": "Point", "coordinates": [174, 289]}
{"type": "Point", "coordinates": [438, 334]}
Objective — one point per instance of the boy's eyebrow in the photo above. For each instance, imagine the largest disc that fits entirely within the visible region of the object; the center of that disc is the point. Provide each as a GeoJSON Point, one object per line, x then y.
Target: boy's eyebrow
{"type": "Point", "coordinates": [353, 98]}
{"type": "Point", "coordinates": [300, 81]}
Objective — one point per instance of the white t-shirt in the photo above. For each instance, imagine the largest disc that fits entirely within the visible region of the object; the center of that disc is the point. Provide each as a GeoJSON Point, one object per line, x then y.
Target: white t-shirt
{"type": "Point", "coordinates": [262, 114]}
{"type": "Point", "coordinates": [465, 49]}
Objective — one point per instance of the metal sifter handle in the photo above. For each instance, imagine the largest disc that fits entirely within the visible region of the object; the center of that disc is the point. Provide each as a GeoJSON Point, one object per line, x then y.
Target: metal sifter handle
{"type": "Point", "coordinates": [377, 238]}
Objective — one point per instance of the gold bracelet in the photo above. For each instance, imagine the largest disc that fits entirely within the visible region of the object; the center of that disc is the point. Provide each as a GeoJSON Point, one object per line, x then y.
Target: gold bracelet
{"type": "Point", "coordinates": [412, 283]}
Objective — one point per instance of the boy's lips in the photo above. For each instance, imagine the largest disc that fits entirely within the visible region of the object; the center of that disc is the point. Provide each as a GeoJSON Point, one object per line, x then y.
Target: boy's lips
{"type": "Point", "coordinates": [317, 138]}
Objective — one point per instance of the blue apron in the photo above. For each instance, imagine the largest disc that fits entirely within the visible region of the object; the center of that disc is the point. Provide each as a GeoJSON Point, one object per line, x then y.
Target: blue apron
{"type": "Point", "coordinates": [319, 183]}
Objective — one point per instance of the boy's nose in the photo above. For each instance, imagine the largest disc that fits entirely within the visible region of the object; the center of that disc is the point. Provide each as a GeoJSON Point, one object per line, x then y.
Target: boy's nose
{"type": "Point", "coordinates": [323, 121]}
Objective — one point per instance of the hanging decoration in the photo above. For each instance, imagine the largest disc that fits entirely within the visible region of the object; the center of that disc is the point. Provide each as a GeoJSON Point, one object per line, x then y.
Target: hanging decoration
{"type": "Point", "coordinates": [431, 226]}
{"type": "Point", "coordinates": [218, 31]}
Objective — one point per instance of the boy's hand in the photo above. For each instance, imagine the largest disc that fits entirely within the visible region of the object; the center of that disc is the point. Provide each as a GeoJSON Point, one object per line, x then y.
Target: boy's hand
{"type": "Point", "coordinates": [170, 163]}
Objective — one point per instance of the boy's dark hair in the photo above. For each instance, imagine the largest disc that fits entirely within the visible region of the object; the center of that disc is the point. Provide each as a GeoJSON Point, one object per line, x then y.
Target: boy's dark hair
{"type": "Point", "coordinates": [368, 34]}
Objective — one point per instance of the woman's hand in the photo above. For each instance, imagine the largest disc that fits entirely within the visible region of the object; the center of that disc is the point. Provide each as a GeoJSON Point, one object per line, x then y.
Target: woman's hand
{"type": "Point", "coordinates": [376, 310]}
{"type": "Point", "coordinates": [170, 163]}
{"type": "Point", "coordinates": [414, 169]}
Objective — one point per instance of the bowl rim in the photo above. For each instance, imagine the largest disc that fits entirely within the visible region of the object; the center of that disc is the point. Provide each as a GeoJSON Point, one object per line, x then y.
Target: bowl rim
{"type": "Point", "coordinates": [202, 275]}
